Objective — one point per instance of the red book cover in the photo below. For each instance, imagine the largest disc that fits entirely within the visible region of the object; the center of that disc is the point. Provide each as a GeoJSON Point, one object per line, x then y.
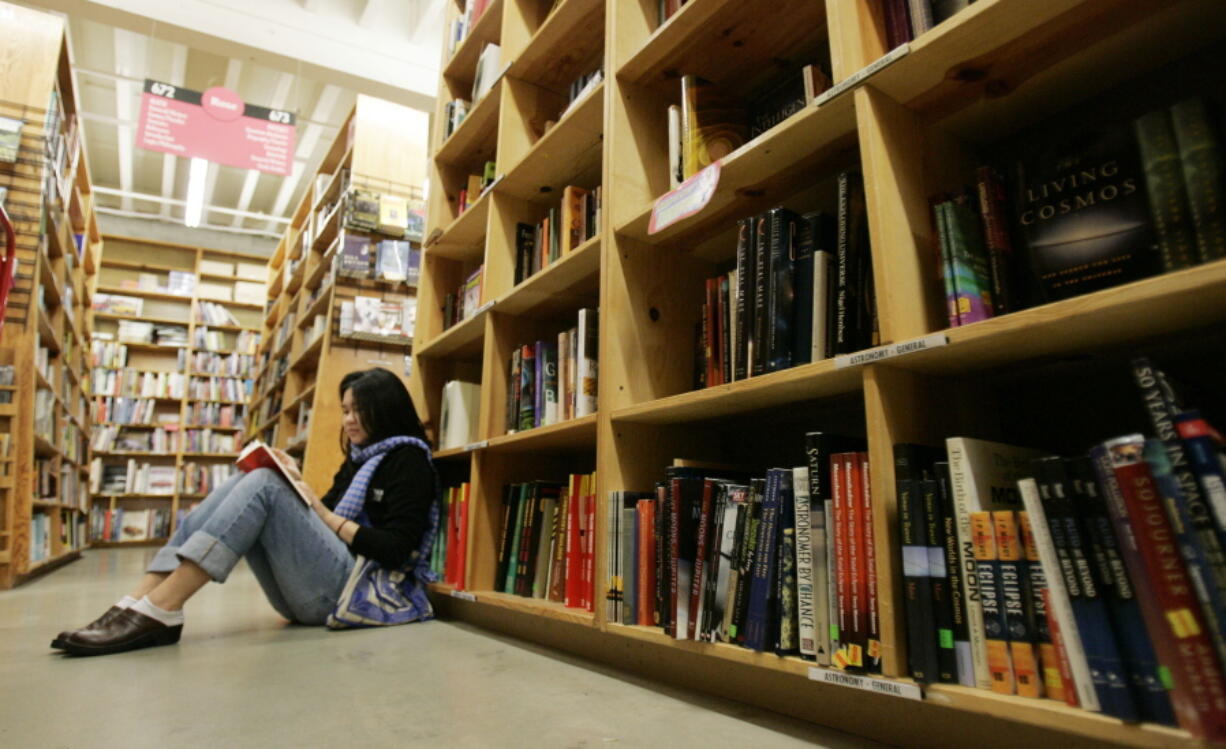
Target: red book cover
{"type": "Point", "coordinates": [463, 494]}
{"type": "Point", "coordinates": [453, 535]}
{"type": "Point", "coordinates": [258, 455]}
{"type": "Point", "coordinates": [1060, 655]}
{"type": "Point", "coordinates": [704, 533]}
{"type": "Point", "coordinates": [857, 584]}
{"type": "Point", "coordinates": [574, 551]}
{"type": "Point", "coordinates": [1171, 610]}
{"type": "Point", "coordinates": [647, 562]}
{"type": "Point", "coordinates": [838, 481]}
{"type": "Point", "coordinates": [591, 542]}
{"type": "Point", "coordinates": [870, 569]}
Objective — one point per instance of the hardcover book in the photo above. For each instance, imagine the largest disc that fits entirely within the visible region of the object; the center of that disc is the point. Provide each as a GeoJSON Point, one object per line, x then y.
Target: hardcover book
{"type": "Point", "coordinates": [713, 124]}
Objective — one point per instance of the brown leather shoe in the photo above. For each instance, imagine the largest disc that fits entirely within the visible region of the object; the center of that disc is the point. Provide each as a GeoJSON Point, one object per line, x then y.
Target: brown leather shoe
{"type": "Point", "coordinates": [101, 621]}
{"type": "Point", "coordinates": [128, 630]}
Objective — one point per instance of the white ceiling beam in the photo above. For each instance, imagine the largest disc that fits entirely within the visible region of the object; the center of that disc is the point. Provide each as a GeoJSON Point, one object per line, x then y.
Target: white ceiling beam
{"type": "Point", "coordinates": [211, 227]}
{"type": "Point", "coordinates": [180, 203]}
{"type": "Point", "coordinates": [368, 13]}
{"type": "Point", "coordinates": [308, 141]}
{"type": "Point", "coordinates": [282, 35]}
{"type": "Point", "coordinates": [130, 51]}
{"type": "Point", "coordinates": [285, 82]}
{"type": "Point", "coordinates": [178, 71]}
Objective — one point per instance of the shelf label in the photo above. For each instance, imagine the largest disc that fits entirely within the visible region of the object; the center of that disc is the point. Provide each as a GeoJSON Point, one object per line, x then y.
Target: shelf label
{"type": "Point", "coordinates": [688, 199]}
{"type": "Point", "coordinates": [463, 595]}
{"type": "Point", "coordinates": [868, 684]}
{"type": "Point", "coordinates": [873, 355]}
{"type": "Point", "coordinates": [861, 75]}
{"type": "Point", "coordinates": [476, 445]}
{"type": "Point", "coordinates": [482, 308]}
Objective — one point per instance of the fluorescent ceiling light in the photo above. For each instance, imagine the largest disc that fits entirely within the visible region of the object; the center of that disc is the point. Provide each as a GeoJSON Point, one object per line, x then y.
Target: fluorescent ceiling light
{"type": "Point", "coordinates": [195, 192]}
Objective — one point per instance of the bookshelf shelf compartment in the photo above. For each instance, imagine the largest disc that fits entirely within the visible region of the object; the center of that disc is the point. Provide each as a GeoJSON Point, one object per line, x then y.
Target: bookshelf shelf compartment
{"type": "Point", "coordinates": [576, 435]}
{"type": "Point", "coordinates": [144, 293]}
{"type": "Point", "coordinates": [576, 26]}
{"type": "Point", "coordinates": [463, 239]}
{"type": "Point", "coordinates": [562, 285]}
{"type": "Point", "coordinates": [475, 135]}
{"type": "Point", "coordinates": [553, 159]}
{"type": "Point", "coordinates": [460, 340]}
{"type": "Point", "coordinates": [488, 29]}
{"type": "Point", "coordinates": [804, 383]}
{"type": "Point", "coordinates": [721, 40]}
{"type": "Point", "coordinates": [764, 171]}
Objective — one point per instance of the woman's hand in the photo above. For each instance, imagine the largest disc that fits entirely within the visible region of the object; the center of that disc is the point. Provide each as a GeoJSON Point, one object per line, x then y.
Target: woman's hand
{"type": "Point", "coordinates": [288, 463]}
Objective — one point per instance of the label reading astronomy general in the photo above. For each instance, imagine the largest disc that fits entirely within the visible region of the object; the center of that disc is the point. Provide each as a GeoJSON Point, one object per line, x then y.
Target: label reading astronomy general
{"type": "Point", "coordinates": [889, 351]}
{"type": "Point", "coordinates": [880, 686]}
{"type": "Point", "coordinates": [463, 595]}
{"type": "Point", "coordinates": [690, 198]}
{"type": "Point", "coordinates": [858, 77]}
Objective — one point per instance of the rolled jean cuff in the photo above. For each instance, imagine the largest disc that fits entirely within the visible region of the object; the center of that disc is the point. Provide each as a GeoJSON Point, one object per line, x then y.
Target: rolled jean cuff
{"type": "Point", "coordinates": [209, 554]}
{"type": "Point", "coordinates": [166, 560]}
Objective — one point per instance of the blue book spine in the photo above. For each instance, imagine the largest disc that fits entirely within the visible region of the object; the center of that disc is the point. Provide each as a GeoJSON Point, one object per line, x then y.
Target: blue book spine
{"type": "Point", "coordinates": [757, 620]}
{"type": "Point", "coordinates": [1203, 456]}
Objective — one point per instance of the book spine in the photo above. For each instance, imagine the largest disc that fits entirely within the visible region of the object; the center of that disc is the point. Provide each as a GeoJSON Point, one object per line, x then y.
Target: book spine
{"type": "Point", "coordinates": [734, 542]}
{"type": "Point", "coordinates": [1014, 582]}
{"type": "Point", "coordinates": [991, 595]}
{"type": "Point", "coordinates": [558, 546]}
{"type": "Point", "coordinates": [805, 609]}
{"type": "Point", "coordinates": [1202, 451]}
{"type": "Point", "coordinates": [671, 627]}
{"type": "Point", "coordinates": [787, 642]}
{"type": "Point", "coordinates": [1200, 155]}
{"type": "Point", "coordinates": [709, 611]}
{"type": "Point", "coordinates": [725, 332]}
{"type": "Point", "coordinates": [700, 557]}
{"type": "Point", "coordinates": [758, 617]}
{"type": "Point", "coordinates": [992, 207]}
{"type": "Point", "coordinates": [873, 658]}
{"type": "Point", "coordinates": [761, 319]}
{"type": "Point", "coordinates": [527, 388]}
{"type": "Point", "coordinates": [521, 508]}
{"type": "Point", "coordinates": [1172, 613]}
{"type": "Point", "coordinates": [780, 292]}
{"type": "Point", "coordinates": [629, 532]}
{"type": "Point", "coordinates": [916, 579]}
{"type": "Point", "coordinates": [969, 264]}
{"type": "Point", "coordinates": [1059, 655]}
{"type": "Point", "coordinates": [549, 395]}
{"type": "Point", "coordinates": [714, 372]}
{"type": "Point", "coordinates": [803, 242]}
{"type": "Point", "coordinates": [841, 572]}
{"type": "Point", "coordinates": [588, 338]}
{"type": "Point", "coordinates": [841, 301]}
{"type": "Point", "coordinates": [959, 484]}
{"type": "Point", "coordinates": [738, 630]}
{"type": "Point", "coordinates": [1168, 201]}
{"type": "Point", "coordinates": [1037, 613]}
{"type": "Point", "coordinates": [647, 562]}
{"type": "Point", "coordinates": [745, 286]}
{"type": "Point", "coordinates": [574, 551]}
{"type": "Point", "coordinates": [664, 515]}
{"type": "Point", "coordinates": [500, 572]}
{"type": "Point", "coordinates": [856, 641]}
{"type": "Point", "coordinates": [943, 593]}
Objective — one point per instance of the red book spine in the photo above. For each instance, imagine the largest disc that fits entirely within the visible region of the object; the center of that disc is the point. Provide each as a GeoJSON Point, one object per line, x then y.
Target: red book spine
{"type": "Point", "coordinates": [1057, 641]}
{"type": "Point", "coordinates": [841, 553]}
{"type": "Point", "coordinates": [464, 495]}
{"type": "Point", "coordinates": [857, 583]}
{"type": "Point", "coordinates": [674, 548]}
{"type": "Point", "coordinates": [704, 530]}
{"type": "Point", "coordinates": [647, 561]}
{"type": "Point", "coordinates": [870, 569]}
{"type": "Point", "coordinates": [591, 544]}
{"type": "Point", "coordinates": [573, 551]}
{"type": "Point", "coordinates": [1175, 624]}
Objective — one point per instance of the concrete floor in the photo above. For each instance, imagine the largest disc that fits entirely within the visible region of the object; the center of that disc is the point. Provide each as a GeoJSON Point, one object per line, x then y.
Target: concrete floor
{"type": "Point", "coordinates": [242, 677]}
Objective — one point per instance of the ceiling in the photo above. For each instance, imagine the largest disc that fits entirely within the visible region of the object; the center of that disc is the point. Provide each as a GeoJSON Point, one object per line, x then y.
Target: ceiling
{"type": "Point", "coordinates": [280, 60]}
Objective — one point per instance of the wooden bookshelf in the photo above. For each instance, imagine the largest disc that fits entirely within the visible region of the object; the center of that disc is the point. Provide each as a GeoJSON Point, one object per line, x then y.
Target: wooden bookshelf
{"type": "Point", "coordinates": [914, 129]}
{"type": "Point", "coordinates": [123, 272]}
{"type": "Point", "coordinates": [382, 149]}
{"type": "Point", "coordinates": [58, 244]}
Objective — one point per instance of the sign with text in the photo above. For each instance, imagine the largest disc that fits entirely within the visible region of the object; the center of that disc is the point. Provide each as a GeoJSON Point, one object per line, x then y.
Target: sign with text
{"type": "Point", "coordinates": [685, 201]}
{"type": "Point", "coordinates": [216, 125]}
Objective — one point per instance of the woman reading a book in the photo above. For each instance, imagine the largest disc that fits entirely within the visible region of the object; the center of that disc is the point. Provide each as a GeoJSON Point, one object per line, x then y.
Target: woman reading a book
{"type": "Point", "coordinates": [381, 508]}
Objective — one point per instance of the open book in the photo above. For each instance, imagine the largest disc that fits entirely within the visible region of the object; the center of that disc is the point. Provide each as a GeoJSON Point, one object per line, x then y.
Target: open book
{"type": "Point", "coordinates": [258, 455]}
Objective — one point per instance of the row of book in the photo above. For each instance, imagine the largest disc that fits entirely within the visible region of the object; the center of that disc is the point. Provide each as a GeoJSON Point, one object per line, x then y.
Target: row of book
{"type": "Point", "coordinates": [546, 548]}
{"type": "Point", "coordinates": [245, 342]}
{"type": "Point", "coordinates": [449, 555]}
{"type": "Point", "coordinates": [120, 524]}
{"type": "Point", "coordinates": [211, 313]}
{"type": "Point", "coordinates": [226, 389]}
{"type": "Point", "coordinates": [119, 304]}
{"type": "Point", "coordinates": [380, 213]}
{"type": "Point", "coordinates": [463, 24]}
{"type": "Point", "coordinates": [549, 382]}
{"type": "Point", "coordinates": [780, 563]}
{"type": "Point", "coordinates": [117, 438]}
{"type": "Point", "coordinates": [904, 20]}
{"type": "Point", "coordinates": [217, 414]}
{"type": "Point", "coordinates": [130, 477]}
{"type": "Point", "coordinates": [208, 441]}
{"type": "Point", "coordinates": [107, 354]}
{"type": "Point", "coordinates": [454, 113]}
{"type": "Point", "coordinates": [376, 317]}
{"type": "Point", "coordinates": [41, 535]}
{"type": "Point", "coordinates": [1149, 207]}
{"type": "Point", "coordinates": [464, 302]}
{"type": "Point", "coordinates": [44, 414]}
{"type": "Point", "coordinates": [235, 365]}
{"type": "Point", "coordinates": [112, 410]}
{"type": "Point", "coordinates": [202, 478]}
{"type": "Point", "coordinates": [801, 291]}
{"type": "Point", "coordinates": [476, 186]}
{"type": "Point", "coordinates": [46, 479]}
{"type": "Point", "coordinates": [157, 334]}
{"type": "Point", "coordinates": [1097, 580]}
{"type": "Point", "coordinates": [130, 383]}
{"type": "Point", "coordinates": [574, 221]}
{"type": "Point", "coordinates": [362, 256]}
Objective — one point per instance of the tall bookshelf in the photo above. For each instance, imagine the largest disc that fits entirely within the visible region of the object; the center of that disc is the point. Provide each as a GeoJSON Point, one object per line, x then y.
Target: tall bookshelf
{"type": "Point", "coordinates": [214, 363]}
{"type": "Point", "coordinates": [914, 128]}
{"type": "Point", "coordinates": [43, 487]}
{"type": "Point", "coordinates": [379, 150]}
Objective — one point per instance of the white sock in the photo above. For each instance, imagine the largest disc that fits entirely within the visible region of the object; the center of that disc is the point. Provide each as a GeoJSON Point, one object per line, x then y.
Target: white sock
{"type": "Point", "coordinates": [126, 602]}
{"type": "Point", "coordinates": [169, 618]}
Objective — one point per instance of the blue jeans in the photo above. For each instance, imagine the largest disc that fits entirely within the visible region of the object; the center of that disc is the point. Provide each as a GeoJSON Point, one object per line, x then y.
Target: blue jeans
{"type": "Point", "coordinates": [299, 562]}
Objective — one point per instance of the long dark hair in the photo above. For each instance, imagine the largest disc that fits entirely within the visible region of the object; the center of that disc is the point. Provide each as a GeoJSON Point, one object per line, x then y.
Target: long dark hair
{"type": "Point", "coordinates": [383, 404]}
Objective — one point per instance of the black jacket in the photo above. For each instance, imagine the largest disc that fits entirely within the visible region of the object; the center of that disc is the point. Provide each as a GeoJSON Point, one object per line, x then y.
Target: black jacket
{"type": "Point", "coordinates": [397, 503]}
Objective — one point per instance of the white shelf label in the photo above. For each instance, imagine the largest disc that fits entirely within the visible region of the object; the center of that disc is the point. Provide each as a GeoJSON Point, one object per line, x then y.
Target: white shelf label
{"type": "Point", "coordinates": [690, 198]}
{"type": "Point", "coordinates": [476, 445]}
{"type": "Point", "coordinates": [873, 355]}
{"type": "Point", "coordinates": [482, 308]}
{"type": "Point", "coordinates": [868, 684]}
{"type": "Point", "coordinates": [463, 595]}
{"type": "Point", "coordinates": [861, 75]}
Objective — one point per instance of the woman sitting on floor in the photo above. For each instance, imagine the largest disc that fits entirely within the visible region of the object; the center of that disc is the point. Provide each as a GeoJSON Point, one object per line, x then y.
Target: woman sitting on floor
{"type": "Point", "coordinates": [381, 506]}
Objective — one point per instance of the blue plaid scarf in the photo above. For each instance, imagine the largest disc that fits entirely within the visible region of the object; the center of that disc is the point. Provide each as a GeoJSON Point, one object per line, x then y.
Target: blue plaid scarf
{"type": "Point", "coordinates": [374, 596]}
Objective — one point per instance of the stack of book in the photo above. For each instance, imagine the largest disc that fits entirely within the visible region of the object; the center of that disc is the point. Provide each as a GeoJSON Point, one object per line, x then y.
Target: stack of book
{"type": "Point", "coordinates": [373, 318]}
{"type": "Point", "coordinates": [549, 382]}
{"type": "Point", "coordinates": [465, 301]}
{"type": "Point", "coordinates": [573, 222]}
